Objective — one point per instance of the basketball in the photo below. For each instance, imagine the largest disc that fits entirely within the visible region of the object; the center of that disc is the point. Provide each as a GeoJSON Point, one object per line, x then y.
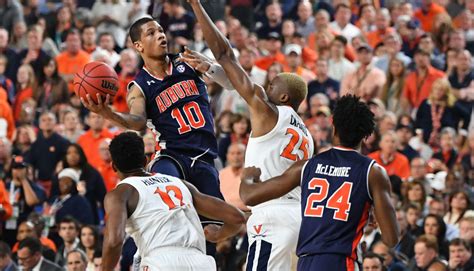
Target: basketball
{"type": "Point", "coordinates": [96, 77]}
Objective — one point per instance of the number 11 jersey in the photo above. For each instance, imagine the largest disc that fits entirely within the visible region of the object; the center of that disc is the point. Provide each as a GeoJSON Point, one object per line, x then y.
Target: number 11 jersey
{"type": "Point", "coordinates": [335, 202]}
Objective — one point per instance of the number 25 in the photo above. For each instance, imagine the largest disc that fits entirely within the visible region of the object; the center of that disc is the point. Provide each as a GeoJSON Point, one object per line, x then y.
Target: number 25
{"type": "Point", "coordinates": [295, 138]}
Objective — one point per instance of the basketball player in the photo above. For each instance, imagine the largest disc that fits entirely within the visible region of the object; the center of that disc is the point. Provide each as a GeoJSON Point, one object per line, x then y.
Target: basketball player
{"type": "Point", "coordinates": [278, 139]}
{"type": "Point", "coordinates": [339, 186]}
{"type": "Point", "coordinates": [173, 95]}
{"type": "Point", "coordinates": [159, 212]}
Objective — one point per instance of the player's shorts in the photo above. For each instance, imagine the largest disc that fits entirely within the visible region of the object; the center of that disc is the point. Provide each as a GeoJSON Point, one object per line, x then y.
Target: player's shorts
{"type": "Point", "coordinates": [324, 262]}
{"type": "Point", "coordinates": [175, 258]}
{"type": "Point", "coordinates": [273, 234]}
{"type": "Point", "coordinates": [200, 172]}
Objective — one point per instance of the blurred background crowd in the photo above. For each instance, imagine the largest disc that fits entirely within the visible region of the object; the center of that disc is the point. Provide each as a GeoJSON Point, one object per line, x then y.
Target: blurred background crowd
{"type": "Point", "coordinates": [411, 61]}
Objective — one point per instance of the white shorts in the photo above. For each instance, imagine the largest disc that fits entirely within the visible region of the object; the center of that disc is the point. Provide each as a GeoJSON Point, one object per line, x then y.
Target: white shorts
{"type": "Point", "coordinates": [177, 259]}
{"type": "Point", "coordinates": [273, 234]}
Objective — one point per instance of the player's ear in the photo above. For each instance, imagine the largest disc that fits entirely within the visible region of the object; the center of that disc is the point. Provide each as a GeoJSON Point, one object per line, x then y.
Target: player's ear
{"type": "Point", "coordinates": [138, 46]}
{"type": "Point", "coordinates": [284, 98]}
{"type": "Point", "coordinates": [113, 167]}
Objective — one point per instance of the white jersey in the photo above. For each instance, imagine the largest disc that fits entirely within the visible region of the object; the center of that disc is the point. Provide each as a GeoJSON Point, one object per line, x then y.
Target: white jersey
{"type": "Point", "coordinates": [289, 141]}
{"type": "Point", "coordinates": [164, 217]}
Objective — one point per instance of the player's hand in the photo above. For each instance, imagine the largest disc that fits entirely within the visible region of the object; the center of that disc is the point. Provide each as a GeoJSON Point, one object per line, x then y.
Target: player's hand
{"type": "Point", "coordinates": [101, 107]}
{"type": "Point", "coordinates": [211, 232]}
{"type": "Point", "coordinates": [251, 175]}
{"type": "Point", "coordinates": [195, 60]}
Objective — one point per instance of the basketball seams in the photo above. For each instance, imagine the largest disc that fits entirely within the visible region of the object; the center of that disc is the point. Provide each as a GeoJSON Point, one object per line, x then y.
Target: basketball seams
{"type": "Point", "coordinates": [85, 75]}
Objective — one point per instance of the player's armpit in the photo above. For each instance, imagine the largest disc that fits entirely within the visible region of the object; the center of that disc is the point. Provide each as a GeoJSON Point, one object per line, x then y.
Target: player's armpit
{"type": "Point", "coordinates": [214, 208]}
{"type": "Point", "coordinates": [253, 192]}
{"type": "Point", "coordinates": [380, 189]}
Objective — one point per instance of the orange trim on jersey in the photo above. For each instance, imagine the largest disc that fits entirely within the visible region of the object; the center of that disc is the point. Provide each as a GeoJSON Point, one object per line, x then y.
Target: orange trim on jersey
{"type": "Point", "coordinates": [359, 231]}
{"type": "Point", "coordinates": [349, 264]}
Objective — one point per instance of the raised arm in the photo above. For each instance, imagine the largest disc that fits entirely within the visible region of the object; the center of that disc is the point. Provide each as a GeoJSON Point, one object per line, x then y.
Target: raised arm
{"type": "Point", "coordinates": [217, 209]}
{"type": "Point", "coordinates": [379, 187]}
{"type": "Point", "coordinates": [135, 120]}
{"type": "Point", "coordinates": [253, 94]}
{"type": "Point", "coordinates": [253, 191]}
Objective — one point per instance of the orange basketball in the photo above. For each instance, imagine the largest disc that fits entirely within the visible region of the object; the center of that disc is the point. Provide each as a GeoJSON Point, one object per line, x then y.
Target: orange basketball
{"type": "Point", "coordinates": [96, 77]}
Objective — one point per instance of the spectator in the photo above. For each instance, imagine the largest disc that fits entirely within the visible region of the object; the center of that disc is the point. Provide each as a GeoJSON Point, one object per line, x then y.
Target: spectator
{"type": "Point", "coordinates": [323, 83]}
{"type": "Point", "coordinates": [461, 80]}
{"type": "Point", "coordinates": [437, 207]}
{"type": "Point", "coordinates": [366, 81]}
{"type": "Point", "coordinates": [110, 16]}
{"type": "Point", "coordinates": [426, 254]}
{"type": "Point", "coordinates": [388, 157]}
{"type": "Point", "coordinates": [30, 258]}
{"type": "Point", "coordinates": [247, 58]}
{"type": "Point", "coordinates": [272, 72]}
{"type": "Point", "coordinates": [273, 42]}
{"type": "Point", "coordinates": [427, 13]}
{"type": "Point", "coordinates": [240, 129]}
{"type": "Point", "coordinates": [393, 44]}
{"type": "Point", "coordinates": [6, 262]}
{"type": "Point", "coordinates": [460, 255]}
{"type": "Point", "coordinates": [426, 44]}
{"type": "Point", "coordinates": [392, 90]}
{"type": "Point", "coordinates": [62, 25]}
{"type": "Point", "coordinates": [467, 160]}
{"type": "Point", "coordinates": [372, 262]}
{"type": "Point", "coordinates": [5, 157]}
{"type": "Point", "coordinates": [5, 82]}
{"type": "Point", "coordinates": [89, 39]}
{"type": "Point", "coordinates": [26, 81]}
{"type": "Point", "coordinates": [72, 126]}
{"type": "Point", "coordinates": [419, 82]}
{"type": "Point", "coordinates": [90, 243]}
{"type": "Point", "coordinates": [11, 12]}
{"type": "Point", "coordinates": [382, 22]}
{"type": "Point", "coordinates": [273, 17]}
{"type": "Point", "coordinates": [39, 223]}
{"type": "Point", "coordinates": [230, 175]}
{"type": "Point", "coordinates": [7, 121]}
{"type": "Point", "coordinates": [66, 203]}
{"type": "Point", "coordinates": [19, 40]}
{"type": "Point", "coordinates": [129, 68]}
{"type": "Point", "coordinates": [405, 133]}
{"type": "Point", "coordinates": [73, 58]}
{"type": "Point", "coordinates": [106, 168]}
{"type": "Point", "coordinates": [366, 21]}
{"type": "Point", "coordinates": [51, 89]}
{"type": "Point", "coordinates": [46, 151]}
{"type": "Point", "coordinates": [106, 47]}
{"type": "Point", "coordinates": [90, 140]}
{"type": "Point", "coordinates": [390, 260]}
{"type": "Point", "coordinates": [98, 260]}
{"type": "Point", "coordinates": [387, 122]}
{"type": "Point", "coordinates": [12, 58]}
{"type": "Point", "coordinates": [294, 62]}
{"type": "Point", "coordinates": [305, 22]}
{"type": "Point", "coordinates": [341, 23]}
{"type": "Point", "coordinates": [91, 184]}
{"type": "Point", "coordinates": [416, 194]}
{"type": "Point", "coordinates": [288, 31]}
{"type": "Point", "coordinates": [466, 229]}
{"type": "Point", "coordinates": [76, 260]}
{"type": "Point", "coordinates": [434, 225]}
{"type": "Point", "coordinates": [407, 241]}
{"type": "Point", "coordinates": [68, 231]}
{"type": "Point", "coordinates": [339, 65]}
{"type": "Point", "coordinates": [459, 207]}
{"type": "Point", "coordinates": [26, 229]}
{"type": "Point", "coordinates": [6, 210]}
{"type": "Point", "coordinates": [34, 55]}
{"type": "Point", "coordinates": [447, 153]}
{"type": "Point", "coordinates": [456, 42]}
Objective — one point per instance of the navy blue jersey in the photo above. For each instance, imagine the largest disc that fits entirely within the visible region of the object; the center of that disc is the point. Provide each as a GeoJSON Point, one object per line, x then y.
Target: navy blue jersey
{"type": "Point", "coordinates": [335, 203]}
{"type": "Point", "coordinates": [178, 107]}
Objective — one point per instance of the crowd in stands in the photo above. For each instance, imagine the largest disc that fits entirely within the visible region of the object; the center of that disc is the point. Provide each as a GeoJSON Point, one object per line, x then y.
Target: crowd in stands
{"type": "Point", "coordinates": [411, 61]}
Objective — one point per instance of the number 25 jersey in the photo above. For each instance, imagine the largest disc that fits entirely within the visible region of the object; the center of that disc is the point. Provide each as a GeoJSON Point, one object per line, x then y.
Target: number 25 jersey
{"type": "Point", "coordinates": [179, 110]}
{"type": "Point", "coordinates": [335, 202]}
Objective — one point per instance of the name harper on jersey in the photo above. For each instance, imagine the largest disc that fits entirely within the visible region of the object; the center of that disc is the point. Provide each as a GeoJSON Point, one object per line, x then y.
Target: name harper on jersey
{"type": "Point", "coordinates": [154, 180]}
{"type": "Point", "coordinates": [295, 122]}
{"type": "Point", "coordinates": [178, 91]}
{"type": "Point", "coordinates": [332, 171]}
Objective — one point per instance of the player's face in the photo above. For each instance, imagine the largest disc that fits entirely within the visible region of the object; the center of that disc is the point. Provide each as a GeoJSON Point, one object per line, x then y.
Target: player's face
{"type": "Point", "coordinates": [152, 41]}
{"type": "Point", "coordinates": [276, 89]}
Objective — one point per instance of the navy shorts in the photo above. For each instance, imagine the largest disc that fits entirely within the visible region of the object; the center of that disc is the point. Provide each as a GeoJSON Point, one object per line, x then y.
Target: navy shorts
{"type": "Point", "coordinates": [324, 262]}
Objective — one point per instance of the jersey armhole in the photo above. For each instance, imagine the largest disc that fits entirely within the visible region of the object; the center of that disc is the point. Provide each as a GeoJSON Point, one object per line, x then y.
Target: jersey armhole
{"type": "Point", "coordinates": [129, 86]}
{"type": "Point", "coordinates": [139, 202]}
{"type": "Point", "coordinates": [367, 178]}
{"type": "Point", "coordinates": [302, 172]}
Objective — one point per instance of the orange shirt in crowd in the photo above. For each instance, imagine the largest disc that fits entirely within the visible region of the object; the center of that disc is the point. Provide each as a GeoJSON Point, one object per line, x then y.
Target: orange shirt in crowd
{"type": "Point", "coordinates": [6, 113]}
{"type": "Point", "coordinates": [375, 37]}
{"type": "Point", "coordinates": [70, 64]}
{"type": "Point", "coordinates": [120, 100]}
{"type": "Point", "coordinates": [427, 18]}
{"type": "Point", "coordinates": [5, 201]}
{"type": "Point", "coordinates": [108, 174]}
{"type": "Point", "coordinates": [309, 57]}
{"type": "Point", "coordinates": [398, 166]}
{"type": "Point", "coordinates": [90, 145]}
{"type": "Point", "coordinates": [229, 185]}
{"type": "Point", "coordinates": [418, 89]}
{"type": "Point", "coordinates": [45, 241]}
{"type": "Point", "coordinates": [21, 97]}
{"type": "Point", "coordinates": [306, 74]}
{"type": "Point", "coordinates": [266, 61]}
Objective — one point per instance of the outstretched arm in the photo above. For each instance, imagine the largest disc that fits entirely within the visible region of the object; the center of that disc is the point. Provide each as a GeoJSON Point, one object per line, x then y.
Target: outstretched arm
{"type": "Point", "coordinates": [379, 187]}
{"type": "Point", "coordinates": [135, 120]}
{"type": "Point", "coordinates": [217, 209]}
{"type": "Point", "coordinates": [253, 94]}
{"type": "Point", "coordinates": [253, 191]}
